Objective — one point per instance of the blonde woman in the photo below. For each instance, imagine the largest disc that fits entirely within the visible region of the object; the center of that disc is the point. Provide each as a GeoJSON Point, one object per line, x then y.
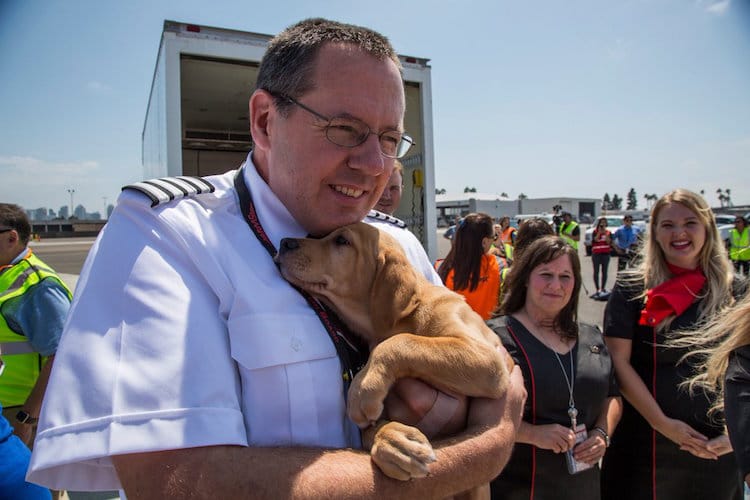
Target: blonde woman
{"type": "Point", "coordinates": [726, 375]}
{"type": "Point", "coordinates": [667, 445]}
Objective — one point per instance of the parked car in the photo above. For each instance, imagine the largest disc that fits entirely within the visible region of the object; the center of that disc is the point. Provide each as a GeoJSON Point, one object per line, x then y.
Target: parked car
{"type": "Point", "coordinates": [723, 219]}
{"type": "Point", "coordinates": [725, 223]}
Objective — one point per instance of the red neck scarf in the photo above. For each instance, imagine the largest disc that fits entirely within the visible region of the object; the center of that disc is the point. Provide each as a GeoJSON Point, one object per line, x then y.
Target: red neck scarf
{"type": "Point", "coordinates": [673, 296]}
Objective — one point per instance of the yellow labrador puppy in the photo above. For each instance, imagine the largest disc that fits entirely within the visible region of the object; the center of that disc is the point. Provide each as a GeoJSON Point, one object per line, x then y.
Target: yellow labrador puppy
{"type": "Point", "coordinates": [413, 328]}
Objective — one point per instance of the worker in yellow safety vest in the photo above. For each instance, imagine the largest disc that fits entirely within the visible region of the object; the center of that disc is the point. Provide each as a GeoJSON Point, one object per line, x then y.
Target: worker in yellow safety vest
{"type": "Point", "coordinates": [34, 303]}
{"type": "Point", "coordinates": [569, 230]}
{"type": "Point", "coordinates": [739, 246]}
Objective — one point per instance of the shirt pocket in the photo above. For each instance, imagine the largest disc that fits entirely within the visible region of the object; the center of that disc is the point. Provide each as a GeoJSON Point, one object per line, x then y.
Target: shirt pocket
{"type": "Point", "coordinates": [292, 391]}
{"type": "Point", "coordinates": [261, 341]}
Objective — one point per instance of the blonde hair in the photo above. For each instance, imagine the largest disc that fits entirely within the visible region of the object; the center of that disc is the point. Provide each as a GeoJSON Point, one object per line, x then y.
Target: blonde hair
{"type": "Point", "coordinates": [717, 339]}
{"type": "Point", "coordinates": [653, 269]}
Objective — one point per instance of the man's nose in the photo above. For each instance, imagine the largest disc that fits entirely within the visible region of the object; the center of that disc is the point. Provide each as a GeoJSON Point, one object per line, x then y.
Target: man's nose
{"type": "Point", "coordinates": [368, 157]}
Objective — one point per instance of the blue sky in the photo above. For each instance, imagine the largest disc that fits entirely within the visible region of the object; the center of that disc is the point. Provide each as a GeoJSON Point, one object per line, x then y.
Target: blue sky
{"type": "Point", "coordinates": [545, 98]}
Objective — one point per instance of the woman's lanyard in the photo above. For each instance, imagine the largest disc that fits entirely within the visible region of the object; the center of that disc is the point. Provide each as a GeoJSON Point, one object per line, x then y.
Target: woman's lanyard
{"type": "Point", "coordinates": [351, 351]}
{"type": "Point", "coordinates": [570, 382]}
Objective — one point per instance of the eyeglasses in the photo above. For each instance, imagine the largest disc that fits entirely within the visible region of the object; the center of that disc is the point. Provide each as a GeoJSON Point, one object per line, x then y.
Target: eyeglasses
{"type": "Point", "coordinates": [5, 229]}
{"type": "Point", "coordinates": [350, 132]}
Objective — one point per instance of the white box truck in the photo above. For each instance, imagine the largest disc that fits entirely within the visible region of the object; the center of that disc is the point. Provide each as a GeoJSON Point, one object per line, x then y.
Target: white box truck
{"type": "Point", "coordinates": [197, 117]}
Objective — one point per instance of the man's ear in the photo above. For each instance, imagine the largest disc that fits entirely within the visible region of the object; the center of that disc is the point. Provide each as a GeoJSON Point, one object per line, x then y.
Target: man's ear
{"type": "Point", "coordinates": [261, 110]}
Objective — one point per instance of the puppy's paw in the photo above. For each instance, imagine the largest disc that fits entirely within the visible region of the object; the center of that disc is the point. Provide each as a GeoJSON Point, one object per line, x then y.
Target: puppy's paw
{"type": "Point", "coordinates": [366, 398]}
{"type": "Point", "coordinates": [401, 451]}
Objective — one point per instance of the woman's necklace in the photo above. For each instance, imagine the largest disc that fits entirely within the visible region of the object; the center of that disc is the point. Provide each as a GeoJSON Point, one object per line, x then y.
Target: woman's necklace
{"type": "Point", "coordinates": [570, 382]}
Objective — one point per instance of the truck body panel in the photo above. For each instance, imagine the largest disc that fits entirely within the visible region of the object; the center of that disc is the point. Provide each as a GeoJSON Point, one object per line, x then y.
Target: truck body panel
{"type": "Point", "coordinates": [197, 117]}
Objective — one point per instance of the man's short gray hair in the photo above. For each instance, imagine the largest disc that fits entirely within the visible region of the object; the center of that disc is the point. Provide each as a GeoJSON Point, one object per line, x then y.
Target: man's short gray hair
{"type": "Point", "coordinates": [288, 64]}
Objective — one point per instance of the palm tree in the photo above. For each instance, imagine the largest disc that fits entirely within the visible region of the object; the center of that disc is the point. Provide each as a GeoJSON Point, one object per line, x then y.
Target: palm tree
{"type": "Point", "coordinates": [650, 199]}
{"type": "Point", "coordinates": [725, 198]}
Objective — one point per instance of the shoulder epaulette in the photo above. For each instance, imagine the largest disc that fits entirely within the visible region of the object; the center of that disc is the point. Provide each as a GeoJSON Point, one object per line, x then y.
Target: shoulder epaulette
{"type": "Point", "coordinates": [171, 188]}
{"type": "Point", "coordinates": [374, 214]}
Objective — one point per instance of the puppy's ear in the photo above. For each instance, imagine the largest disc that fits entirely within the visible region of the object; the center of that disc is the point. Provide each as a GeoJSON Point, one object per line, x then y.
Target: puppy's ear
{"type": "Point", "coordinates": [393, 295]}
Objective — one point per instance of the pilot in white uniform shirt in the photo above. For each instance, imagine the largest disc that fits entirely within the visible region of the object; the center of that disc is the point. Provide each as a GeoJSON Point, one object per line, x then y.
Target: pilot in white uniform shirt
{"type": "Point", "coordinates": [183, 333]}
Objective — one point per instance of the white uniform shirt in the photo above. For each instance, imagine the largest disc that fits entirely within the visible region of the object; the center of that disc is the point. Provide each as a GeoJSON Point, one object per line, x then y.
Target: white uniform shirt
{"type": "Point", "coordinates": [183, 334]}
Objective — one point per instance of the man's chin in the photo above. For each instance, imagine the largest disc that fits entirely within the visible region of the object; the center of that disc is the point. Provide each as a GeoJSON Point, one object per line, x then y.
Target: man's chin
{"type": "Point", "coordinates": [333, 223]}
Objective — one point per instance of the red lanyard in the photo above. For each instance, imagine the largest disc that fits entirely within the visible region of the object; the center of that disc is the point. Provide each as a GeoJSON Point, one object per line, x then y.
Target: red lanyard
{"type": "Point", "coordinates": [351, 351]}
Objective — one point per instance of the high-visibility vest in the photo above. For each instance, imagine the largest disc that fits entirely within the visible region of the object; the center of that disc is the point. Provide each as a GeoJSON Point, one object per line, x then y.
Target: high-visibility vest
{"type": "Point", "coordinates": [599, 242]}
{"type": "Point", "coordinates": [508, 250]}
{"type": "Point", "coordinates": [739, 244]}
{"type": "Point", "coordinates": [22, 363]}
{"type": "Point", "coordinates": [507, 235]}
{"type": "Point", "coordinates": [566, 230]}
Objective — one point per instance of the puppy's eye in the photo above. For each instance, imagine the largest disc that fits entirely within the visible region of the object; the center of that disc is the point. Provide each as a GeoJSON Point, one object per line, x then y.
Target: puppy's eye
{"type": "Point", "coordinates": [340, 240]}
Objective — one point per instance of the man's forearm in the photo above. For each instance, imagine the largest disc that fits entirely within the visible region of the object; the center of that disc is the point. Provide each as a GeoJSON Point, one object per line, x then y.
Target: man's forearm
{"type": "Point", "coordinates": [463, 462]}
{"type": "Point", "coordinates": [239, 472]}
{"type": "Point", "coordinates": [33, 404]}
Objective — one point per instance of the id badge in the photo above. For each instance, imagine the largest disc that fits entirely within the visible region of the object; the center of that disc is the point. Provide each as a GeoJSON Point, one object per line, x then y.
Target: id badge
{"type": "Point", "coordinates": [574, 466]}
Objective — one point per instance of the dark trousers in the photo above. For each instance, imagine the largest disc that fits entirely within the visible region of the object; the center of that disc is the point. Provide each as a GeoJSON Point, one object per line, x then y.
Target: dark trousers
{"type": "Point", "coordinates": [600, 261]}
{"type": "Point", "coordinates": [622, 261]}
{"type": "Point", "coordinates": [742, 266]}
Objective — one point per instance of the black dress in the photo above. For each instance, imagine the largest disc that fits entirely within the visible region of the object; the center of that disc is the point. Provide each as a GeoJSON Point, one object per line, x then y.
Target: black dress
{"type": "Point", "coordinates": [737, 405]}
{"type": "Point", "coordinates": [542, 474]}
{"type": "Point", "coordinates": [642, 463]}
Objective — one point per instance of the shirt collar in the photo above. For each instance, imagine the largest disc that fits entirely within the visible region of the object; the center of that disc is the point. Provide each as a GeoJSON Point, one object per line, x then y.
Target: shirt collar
{"type": "Point", "coordinates": [276, 220]}
{"type": "Point", "coordinates": [24, 253]}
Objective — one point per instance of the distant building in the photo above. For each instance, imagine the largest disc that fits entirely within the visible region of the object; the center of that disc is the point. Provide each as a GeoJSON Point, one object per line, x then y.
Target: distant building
{"type": "Point", "coordinates": [37, 214]}
{"type": "Point", "coordinates": [80, 212]}
{"type": "Point", "coordinates": [449, 205]}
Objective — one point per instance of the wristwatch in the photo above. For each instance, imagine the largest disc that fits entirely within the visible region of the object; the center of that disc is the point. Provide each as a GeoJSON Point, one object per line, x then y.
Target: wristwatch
{"type": "Point", "coordinates": [603, 434]}
{"type": "Point", "coordinates": [25, 418]}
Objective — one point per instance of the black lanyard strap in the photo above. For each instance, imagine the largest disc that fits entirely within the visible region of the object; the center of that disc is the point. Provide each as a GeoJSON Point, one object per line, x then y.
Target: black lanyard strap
{"type": "Point", "coordinates": [352, 352]}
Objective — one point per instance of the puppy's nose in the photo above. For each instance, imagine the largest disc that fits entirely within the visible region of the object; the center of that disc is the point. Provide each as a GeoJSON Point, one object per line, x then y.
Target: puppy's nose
{"type": "Point", "coordinates": [288, 244]}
